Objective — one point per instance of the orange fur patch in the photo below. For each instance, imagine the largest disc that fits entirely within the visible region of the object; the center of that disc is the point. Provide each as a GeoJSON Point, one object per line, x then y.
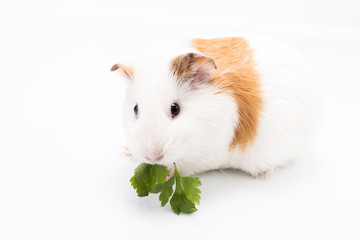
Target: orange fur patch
{"type": "Point", "coordinates": [236, 75]}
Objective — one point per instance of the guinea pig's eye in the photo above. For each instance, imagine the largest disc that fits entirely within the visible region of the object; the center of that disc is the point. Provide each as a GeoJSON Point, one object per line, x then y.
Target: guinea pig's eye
{"type": "Point", "coordinates": [136, 110]}
{"type": "Point", "coordinates": [175, 109]}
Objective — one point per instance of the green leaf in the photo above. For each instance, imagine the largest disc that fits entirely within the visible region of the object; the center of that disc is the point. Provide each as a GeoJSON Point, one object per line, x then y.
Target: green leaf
{"type": "Point", "coordinates": [151, 178]}
{"type": "Point", "coordinates": [191, 190]}
{"type": "Point", "coordinates": [181, 204]}
{"type": "Point", "coordinates": [186, 193]}
{"type": "Point", "coordinates": [158, 173]}
{"type": "Point", "coordinates": [165, 189]}
{"type": "Point", "coordinates": [139, 180]}
{"type": "Point", "coordinates": [146, 176]}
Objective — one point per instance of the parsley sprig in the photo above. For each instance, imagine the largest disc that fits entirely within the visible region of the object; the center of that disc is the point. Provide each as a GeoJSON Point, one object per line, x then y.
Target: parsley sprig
{"type": "Point", "coordinates": [149, 178]}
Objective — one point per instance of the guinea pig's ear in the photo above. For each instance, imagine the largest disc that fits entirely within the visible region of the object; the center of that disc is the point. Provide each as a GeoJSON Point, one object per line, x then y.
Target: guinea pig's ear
{"type": "Point", "coordinates": [126, 71]}
{"type": "Point", "coordinates": [193, 67]}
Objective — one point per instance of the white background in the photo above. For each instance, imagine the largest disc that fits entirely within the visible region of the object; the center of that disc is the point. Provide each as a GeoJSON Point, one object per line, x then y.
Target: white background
{"type": "Point", "coordinates": [61, 171]}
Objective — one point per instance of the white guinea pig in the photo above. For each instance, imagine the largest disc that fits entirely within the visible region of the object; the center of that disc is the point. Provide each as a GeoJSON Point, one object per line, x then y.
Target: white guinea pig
{"type": "Point", "coordinates": [246, 103]}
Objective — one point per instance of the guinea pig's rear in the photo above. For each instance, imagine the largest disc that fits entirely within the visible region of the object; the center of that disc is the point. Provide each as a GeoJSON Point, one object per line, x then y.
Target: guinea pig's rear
{"type": "Point", "coordinates": [247, 103]}
{"type": "Point", "coordinates": [290, 113]}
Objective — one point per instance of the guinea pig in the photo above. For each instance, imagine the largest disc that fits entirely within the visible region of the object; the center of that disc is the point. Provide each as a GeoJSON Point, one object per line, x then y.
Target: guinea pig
{"type": "Point", "coordinates": [245, 103]}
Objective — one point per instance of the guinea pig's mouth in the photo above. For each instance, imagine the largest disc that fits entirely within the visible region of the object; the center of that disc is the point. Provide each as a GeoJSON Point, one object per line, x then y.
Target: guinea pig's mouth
{"type": "Point", "coordinates": [155, 159]}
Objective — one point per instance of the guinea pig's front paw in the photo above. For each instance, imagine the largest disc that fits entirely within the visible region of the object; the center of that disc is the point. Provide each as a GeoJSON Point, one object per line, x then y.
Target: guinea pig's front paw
{"type": "Point", "coordinates": [125, 152]}
{"type": "Point", "coordinates": [261, 173]}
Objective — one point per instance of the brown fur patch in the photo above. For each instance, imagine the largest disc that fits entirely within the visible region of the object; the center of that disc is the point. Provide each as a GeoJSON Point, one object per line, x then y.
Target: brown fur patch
{"type": "Point", "coordinates": [236, 75]}
{"type": "Point", "coordinates": [192, 67]}
{"type": "Point", "coordinates": [127, 71]}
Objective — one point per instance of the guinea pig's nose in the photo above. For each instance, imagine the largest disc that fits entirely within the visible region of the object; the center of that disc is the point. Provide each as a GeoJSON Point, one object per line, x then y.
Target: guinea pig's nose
{"type": "Point", "coordinates": [158, 158]}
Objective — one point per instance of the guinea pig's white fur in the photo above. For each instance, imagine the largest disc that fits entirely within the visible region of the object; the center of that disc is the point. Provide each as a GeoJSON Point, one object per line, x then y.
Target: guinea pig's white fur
{"type": "Point", "coordinates": [199, 138]}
